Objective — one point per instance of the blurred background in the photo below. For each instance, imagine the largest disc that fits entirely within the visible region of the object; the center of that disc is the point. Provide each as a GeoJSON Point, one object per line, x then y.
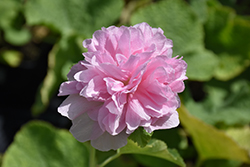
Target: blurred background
{"type": "Point", "coordinates": [40, 40]}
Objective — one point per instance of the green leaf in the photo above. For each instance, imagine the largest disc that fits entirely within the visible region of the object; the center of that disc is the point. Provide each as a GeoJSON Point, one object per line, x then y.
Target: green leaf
{"type": "Point", "coordinates": [181, 24]}
{"type": "Point", "coordinates": [210, 142]}
{"type": "Point", "coordinates": [177, 20]}
{"type": "Point", "coordinates": [225, 103]}
{"type": "Point", "coordinates": [76, 17]}
{"type": "Point", "coordinates": [141, 137]}
{"type": "Point", "coordinates": [150, 161]}
{"type": "Point", "coordinates": [71, 18]}
{"type": "Point", "coordinates": [38, 144]}
{"type": "Point", "coordinates": [201, 65]}
{"type": "Point", "coordinates": [230, 66]}
{"type": "Point", "coordinates": [11, 21]}
{"type": "Point", "coordinates": [11, 57]}
{"type": "Point", "coordinates": [16, 36]}
{"type": "Point", "coordinates": [228, 35]}
{"type": "Point", "coordinates": [225, 30]}
{"type": "Point", "coordinates": [222, 163]}
{"type": "Point", "coordinates": [241, 135]}
{"type": "Point", "coordinates": [200, 9]}
{"type": "Point", "coordinates": [154, 148]}
{"type": "Point", "coordinates": [65, 52]}
{"type": "Point", "coordinates": [9, 10]}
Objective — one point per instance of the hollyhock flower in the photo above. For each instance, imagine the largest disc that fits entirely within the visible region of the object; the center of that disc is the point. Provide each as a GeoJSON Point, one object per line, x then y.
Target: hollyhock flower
{"type": "Point", "coordinates": [127, 80]}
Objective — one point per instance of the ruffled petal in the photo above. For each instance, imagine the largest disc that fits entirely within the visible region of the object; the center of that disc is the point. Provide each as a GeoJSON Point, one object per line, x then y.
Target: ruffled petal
{"type": "Point", "coordinates": [86, 75]}
{"type": "Point", "coordinates": [75, 105]}
{"type": "Point", "coordinates": [165, 122]}
{"type": "Point", "coordinates": [70, 87]}
{"type": "Point", "coordinates": [115, 72]}
{"type": "Point", "coordinates": [95, 90]}
{"type": "Point", "coordinates": [113, 85]}
{"type": "Point", "coordinates": [145, 29]}
{"type": "Point", "coordinates": [108, 142]}
{"type": "Point", "coordinates": [110, 118]}
{"type": "Point", "coordinates": [84, 128]}
{"type": "Point", "coordinates": [136, 41]}
{"type": "Point", "coordinates": [124, 44]}
{"type": "Point", "coordinates": [127, 80]}
{"type": "Point", "coordinates": [177, 86]}
{"type": "Point", "coordinates": [76, 68]}
{"type": "Point", "coordinates": [134, 115]}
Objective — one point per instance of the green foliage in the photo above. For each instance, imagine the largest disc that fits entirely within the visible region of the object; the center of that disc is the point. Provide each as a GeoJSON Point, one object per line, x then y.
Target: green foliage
{"type": "Point", "coordinates": [224, 31]}
{"type": "Point", "coordinates": [213, 39]}
{"type": "Point", "coordinates": [210, 142]}
{"type": "Point", "coordinates": [150, 161]}
{"type": "Point", "coordinates": [11, 57]}
{"type": "Point", "coordinates": [241, 135]}
{"type": "Point", "coordinates": [141, 137]}
{"type": "Point", "coordinates": [72, 19]}
{"type": "Point", "coordinates": [180, 24]}
{"type": "Point", "coordinates": [224, 104]}
{"type": "Point", "coordinates": [222, 34]}
{"type": "Point", "coordinates": [222, 162]}
{"type": "Point", "coordinates": [155, 148]}
{"type": "Point", "coordinates": [39, 144]}
{"type": "Point", "coordinates": [200, 9]}
{"type": "Point", "coordinates": [65, 52]}
{"type": "Point", "coordinates": [8, 11]}
{"type": "Point", "coordinates": [75, 17]}
{"type": "Point", "coordinates": [177, 20]}
{"type": "Point", "coordinates": [201, 64]}
{"type": "Point", "coordinates": [11, 22]}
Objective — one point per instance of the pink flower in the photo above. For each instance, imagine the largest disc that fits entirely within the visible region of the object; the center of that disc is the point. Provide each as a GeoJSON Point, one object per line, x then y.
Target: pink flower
{"type": "Point", "coordinates": [127, 80]}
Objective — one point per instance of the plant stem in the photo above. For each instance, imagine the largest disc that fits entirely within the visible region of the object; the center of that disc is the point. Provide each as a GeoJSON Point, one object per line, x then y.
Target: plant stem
{"type": "Point", "coordinates": [108, 160]}
{"type": "Point", "coordinates": [92, 162]}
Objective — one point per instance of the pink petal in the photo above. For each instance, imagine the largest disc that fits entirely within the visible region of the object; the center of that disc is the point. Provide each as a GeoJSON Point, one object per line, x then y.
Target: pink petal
{"type": "Point", "coordinates": [99, 40]}
{"type": "Point", "coordinates": [113, 85]}
{"type": "Point", "coordinates": [165, 122]}
{"type": "Point", "coordinates": [84, 128]}
{"type": "Point", "coordinates": [88, 43]}
{"type": "Point", "coordinates": [145, 29]}
{"type": "Point", "coordinates": [131, 63]}
{"type": "Point", "coordinates": [115, 72]}
{"type": "Point", "coordinates": [70, 87]}
{"type": "Point", "coordinates": [111, 45]}
{"type": "Point", "coordinates": [150, 104]}
{"type": "Point", "coordinates": [180, 67]}
{"type": "Point", "coordinates": [177, 86]}
{"type": "Point", "coordinates": [136, 78]}
{"type": "Point", "coordinates": [110, 118]}
{"type": "Point", "coordinates": [104, 58]}
{"type": "Point", "coordinates": [120, 58]}
{"type": "Point", "coordinates": [120, 99]}
{"type": "Point", "coordinates": [107, 142]}
{"type": "Point", "coordinates": [95, 89]}
{"type": "Point", "coordinates": [124, 44]}
{"type": "Point", "coordinates": [75, 68]}
{"type": "Point", "coordinates": [135, 113]}
{"type": "Point", "coordinates": [75, 105]}
{"type": "Point", "coordinates": [136, 41]}
{"type": "Point", "coordinates": [128, 79]}
{"type": "Point", "coordinates": [93, 113]}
